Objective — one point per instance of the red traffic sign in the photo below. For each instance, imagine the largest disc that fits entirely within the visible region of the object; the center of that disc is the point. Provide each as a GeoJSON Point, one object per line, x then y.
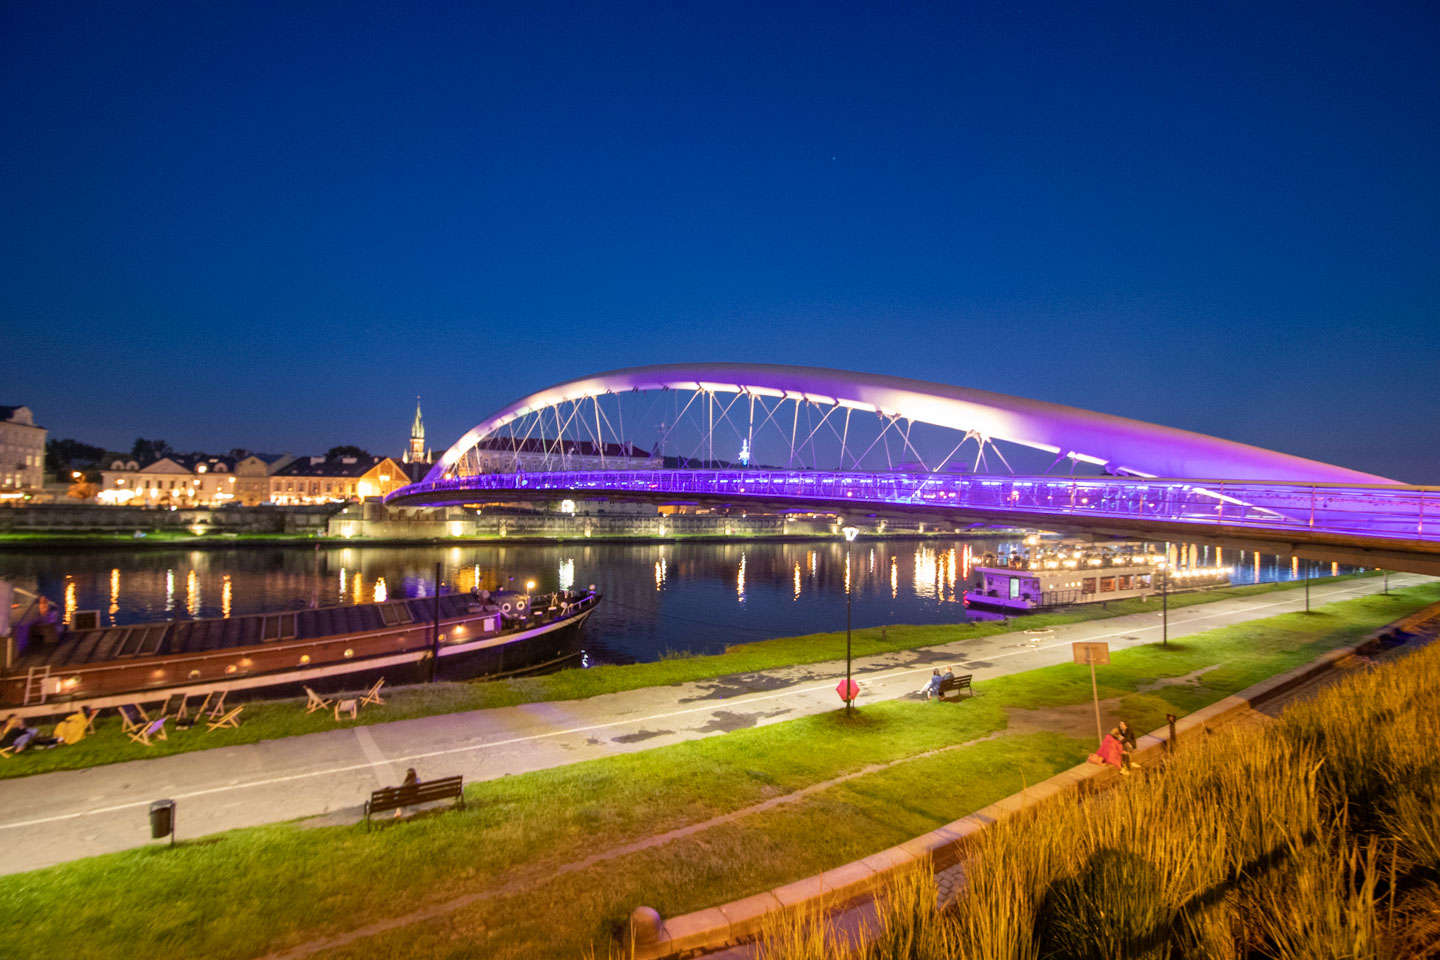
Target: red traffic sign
{"type": "Point", "coordinates": [854, 690]}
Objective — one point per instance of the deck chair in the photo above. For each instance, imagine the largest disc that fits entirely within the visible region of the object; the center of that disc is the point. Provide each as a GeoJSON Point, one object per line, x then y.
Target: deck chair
{"type": "Point", "coordinates": [90, 714]}
{"type": "Point", "coordinates": [133, 717]}
{"type": "Point", "coordinates": [174, 706]}
{"type": "Point", "coordinates": [315, 701]}
{"type": "Point", "coordinates": [373, 694]}
{"type": "Point", "coordinates": [154, 730]}
{"type": "Point", "coordinates": [205, 704]}
{"type": "Point", "coordinates": [7, 753]}
{"type": "Point", "coordinates": [231, 719]}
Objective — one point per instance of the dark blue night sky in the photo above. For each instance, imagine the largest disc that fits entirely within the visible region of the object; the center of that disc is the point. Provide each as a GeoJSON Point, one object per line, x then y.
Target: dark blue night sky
{"type": "Point", "coordinates": [272, 225]}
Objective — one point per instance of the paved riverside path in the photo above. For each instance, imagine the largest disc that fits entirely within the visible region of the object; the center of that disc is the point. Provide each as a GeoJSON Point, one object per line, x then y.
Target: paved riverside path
{"type": "Point", "coordinates": [54, 817]}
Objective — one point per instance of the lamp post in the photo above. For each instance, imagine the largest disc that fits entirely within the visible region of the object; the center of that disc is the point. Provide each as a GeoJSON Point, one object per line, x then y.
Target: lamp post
{"type": "Point", "coordinates": [1164, 603]}
{"type": "Point", "coordinates": [850, 533]}
{"type": "Point", "coordinates": [529, 585]}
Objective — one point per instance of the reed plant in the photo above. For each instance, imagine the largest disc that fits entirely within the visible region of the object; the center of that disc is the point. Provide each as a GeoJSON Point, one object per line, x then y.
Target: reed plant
{"type": "Point", "coordinates": [1317, 835]}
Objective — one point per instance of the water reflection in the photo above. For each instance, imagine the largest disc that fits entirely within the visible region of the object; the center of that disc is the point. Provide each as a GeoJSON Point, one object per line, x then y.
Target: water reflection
{"type": "Point", "coordinates": [682, 596]}
{"type": "Point", "coordinates": [114, 607]}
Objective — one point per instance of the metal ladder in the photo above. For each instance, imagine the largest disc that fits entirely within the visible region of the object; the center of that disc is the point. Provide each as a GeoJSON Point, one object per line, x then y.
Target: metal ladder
{"type": "Point", "coordinates": [35, 679]}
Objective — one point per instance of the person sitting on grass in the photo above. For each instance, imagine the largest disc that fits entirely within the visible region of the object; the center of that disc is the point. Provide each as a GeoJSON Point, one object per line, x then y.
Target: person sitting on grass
{"type": "Point", "coordinates": [72, 729]}
{"type": "Point", "coordinates": [15, 734]}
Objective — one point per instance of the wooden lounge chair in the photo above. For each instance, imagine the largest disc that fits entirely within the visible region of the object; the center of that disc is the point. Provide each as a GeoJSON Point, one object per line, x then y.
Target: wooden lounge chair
{"type": "Point", "coordinates": [90, 714]}
{"type": "Point", "coordinates": [373, 694]}
{"type": "Point", "coordinates": [349, 705]}
{"type": "Point", "coordinates": [216, 706]}
{"type": "Point", "coordinates": [231, 719]}
{"type": "Point", "coordinates": [7, 753]}
{"type": "Point", "coordinates": [315, 701]}
{"type": "Point", "coordinates": [154, 730]}
{"type": "Point", "coordinates": [133, 717]}
{"type": "Point", "coordinates": [174, 706]}
{"type": "Point", "coordinates": [183, 719]}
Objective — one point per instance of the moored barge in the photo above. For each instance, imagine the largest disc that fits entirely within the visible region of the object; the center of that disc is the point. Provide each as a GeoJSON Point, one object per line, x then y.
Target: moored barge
{"type": "Point", "coordinates": [326, 648]}
{"type": "Point", "coordinates": [1072, 573]}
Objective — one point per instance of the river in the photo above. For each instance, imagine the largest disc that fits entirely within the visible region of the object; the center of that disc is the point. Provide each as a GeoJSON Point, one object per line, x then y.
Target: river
{"type": "Point", "coordinates": [660, 598]}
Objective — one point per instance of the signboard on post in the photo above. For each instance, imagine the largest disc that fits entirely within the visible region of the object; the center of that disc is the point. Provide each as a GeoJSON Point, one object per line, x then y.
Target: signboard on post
{"type": "Point", "coordinates": [1091, 653]}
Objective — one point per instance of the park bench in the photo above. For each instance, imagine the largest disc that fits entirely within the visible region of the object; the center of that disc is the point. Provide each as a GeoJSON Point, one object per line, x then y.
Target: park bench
{"type": "Point", "coordinates": [426, 791]}
{"type": "Point", "coordinates": [956, 684]}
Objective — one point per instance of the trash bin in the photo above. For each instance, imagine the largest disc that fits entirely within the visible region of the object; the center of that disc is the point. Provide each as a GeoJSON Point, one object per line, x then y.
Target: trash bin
{"type": "Point", "coordinates": [162, 819]}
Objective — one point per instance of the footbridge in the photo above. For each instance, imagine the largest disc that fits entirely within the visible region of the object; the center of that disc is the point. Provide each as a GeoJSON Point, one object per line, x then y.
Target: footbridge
{"type": "Point", "coordinates": [776, 438]}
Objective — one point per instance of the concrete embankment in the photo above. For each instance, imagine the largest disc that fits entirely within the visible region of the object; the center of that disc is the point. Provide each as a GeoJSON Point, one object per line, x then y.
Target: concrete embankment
{"type": "Point", "coordinates": [373, 522]}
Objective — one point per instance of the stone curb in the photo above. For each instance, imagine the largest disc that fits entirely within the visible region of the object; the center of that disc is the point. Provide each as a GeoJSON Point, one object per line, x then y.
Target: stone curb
{"type": "Point", "coordinates": [742, 920]}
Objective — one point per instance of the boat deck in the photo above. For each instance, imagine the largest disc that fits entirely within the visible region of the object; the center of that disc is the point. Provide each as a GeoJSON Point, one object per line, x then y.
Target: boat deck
{"type": "Point", "coordinates": [197, 636]}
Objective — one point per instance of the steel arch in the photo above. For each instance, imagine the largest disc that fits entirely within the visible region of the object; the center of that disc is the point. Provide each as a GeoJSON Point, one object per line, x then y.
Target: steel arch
{"type": "Point", "coordinates": [1119, 444]}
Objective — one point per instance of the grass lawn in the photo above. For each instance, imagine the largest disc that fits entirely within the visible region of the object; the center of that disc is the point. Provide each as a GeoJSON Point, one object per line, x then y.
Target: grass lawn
{"type": "Point", "coordinates": [248, 892]}
{"type": "Point", "coordinates": [270, 720]}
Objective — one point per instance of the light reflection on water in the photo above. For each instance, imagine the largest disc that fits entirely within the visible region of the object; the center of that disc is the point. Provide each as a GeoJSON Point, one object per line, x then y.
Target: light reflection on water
{"type": "Point", "coordinates": [677, 595]}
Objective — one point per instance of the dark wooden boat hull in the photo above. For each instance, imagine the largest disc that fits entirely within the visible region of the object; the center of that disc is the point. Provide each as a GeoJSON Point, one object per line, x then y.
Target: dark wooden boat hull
{"type": "Point", "coordinates": [400, 654]}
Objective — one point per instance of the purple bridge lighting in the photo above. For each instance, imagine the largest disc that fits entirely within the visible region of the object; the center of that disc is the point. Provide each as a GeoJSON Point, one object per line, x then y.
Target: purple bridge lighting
{"type": "Point", "coordinates": [890, 446]}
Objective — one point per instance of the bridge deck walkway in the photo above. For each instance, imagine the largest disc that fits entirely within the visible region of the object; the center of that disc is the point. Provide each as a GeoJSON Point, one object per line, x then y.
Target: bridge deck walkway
{"type": "Point", "coordinates": [62, 816]}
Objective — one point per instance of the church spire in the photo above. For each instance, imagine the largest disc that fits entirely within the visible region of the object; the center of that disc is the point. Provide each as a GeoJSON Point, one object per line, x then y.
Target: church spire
{"type": "Point", "coordinates": [416, 452]}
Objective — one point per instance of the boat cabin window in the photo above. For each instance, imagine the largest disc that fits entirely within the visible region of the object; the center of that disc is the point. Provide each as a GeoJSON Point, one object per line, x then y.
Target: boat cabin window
{"type": "Point", "coordinates": [1087, 585]}
{"type": "Point", "coordinates": [1014, 587]}
{"type": "Point", "coordinates": [1107, 584]}
{"type": "Point", "coordinates": [1125, 582]}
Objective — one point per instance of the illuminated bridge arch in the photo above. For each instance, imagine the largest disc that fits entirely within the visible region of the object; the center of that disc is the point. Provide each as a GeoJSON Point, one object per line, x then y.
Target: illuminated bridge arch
{"type": "Point", "coordinates": [712, 414]}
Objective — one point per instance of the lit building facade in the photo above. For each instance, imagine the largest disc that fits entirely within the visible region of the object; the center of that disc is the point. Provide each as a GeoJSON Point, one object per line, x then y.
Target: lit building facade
{"type": "Point", "coordinates": [176, 480]}
{"type": "Point", "coordinates": [22, 454]}
{"type": "Point", "coordinates": [253, 473]}
{"type": "Point", "coordinates": [323, 480]}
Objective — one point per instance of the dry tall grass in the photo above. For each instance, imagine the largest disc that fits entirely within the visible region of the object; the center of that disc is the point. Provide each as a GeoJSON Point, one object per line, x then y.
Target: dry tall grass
{"type": "Point", "coordinates": [1314, 836]}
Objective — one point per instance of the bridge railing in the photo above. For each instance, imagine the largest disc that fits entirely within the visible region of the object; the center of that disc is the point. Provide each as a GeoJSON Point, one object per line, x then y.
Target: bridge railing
{"type": "Point", "coordinates": [1371, 511]}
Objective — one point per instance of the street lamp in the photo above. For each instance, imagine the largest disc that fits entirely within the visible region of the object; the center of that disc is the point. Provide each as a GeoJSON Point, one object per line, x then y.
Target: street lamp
{"type": "Point", "coordinates": [1164, 603]}
{"type": "Point", "coordinates": [850, 533]}
{"type": "Point", "coordinates": [529, 585]}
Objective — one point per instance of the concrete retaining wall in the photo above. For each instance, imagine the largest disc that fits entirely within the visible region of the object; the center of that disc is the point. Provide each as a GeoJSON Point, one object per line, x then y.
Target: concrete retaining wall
{"type": "Point", "coordinates": [86, 518]}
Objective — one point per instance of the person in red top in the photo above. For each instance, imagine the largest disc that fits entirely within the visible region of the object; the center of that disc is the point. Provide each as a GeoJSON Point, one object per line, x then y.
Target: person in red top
{"type": "Point", "coordinates": [1112, 751]}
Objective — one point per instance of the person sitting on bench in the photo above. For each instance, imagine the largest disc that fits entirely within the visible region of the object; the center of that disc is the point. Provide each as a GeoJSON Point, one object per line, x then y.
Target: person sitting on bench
{"type": "Point", "coordinates": [932, 687]}
{"type": "Point", "coordinates": [411, 780]}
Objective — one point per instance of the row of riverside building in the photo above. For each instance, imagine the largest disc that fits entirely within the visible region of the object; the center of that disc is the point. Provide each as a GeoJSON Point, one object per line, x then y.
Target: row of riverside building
{"type": "Point", "coordinates": [283, 479]}
{"type": "Point", "coordinates": [195, 480]}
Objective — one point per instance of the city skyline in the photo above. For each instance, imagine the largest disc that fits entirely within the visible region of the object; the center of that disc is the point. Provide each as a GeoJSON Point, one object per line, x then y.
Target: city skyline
{"type": "Point", "coordinates": [272, 227]}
